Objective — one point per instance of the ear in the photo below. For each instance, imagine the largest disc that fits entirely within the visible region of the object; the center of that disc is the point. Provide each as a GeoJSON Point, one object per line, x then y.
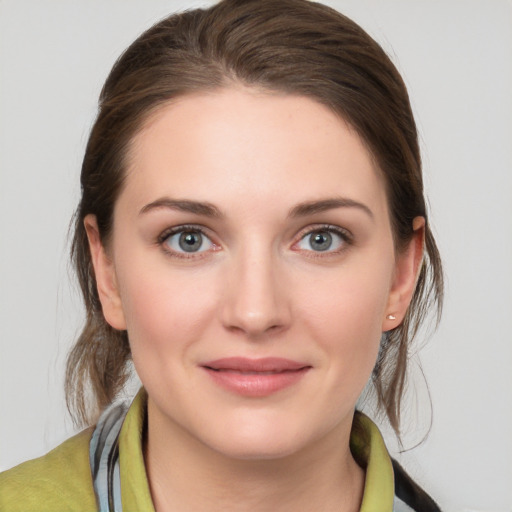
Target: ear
{"type": "Point", "coordinates": [407, 269]}
{"type": "Point", "coordinates": [104, 272]}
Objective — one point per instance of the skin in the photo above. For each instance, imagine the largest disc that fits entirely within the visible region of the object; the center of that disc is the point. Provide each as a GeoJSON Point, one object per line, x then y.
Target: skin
{"type": "Point", "coordinates": [256, 288]}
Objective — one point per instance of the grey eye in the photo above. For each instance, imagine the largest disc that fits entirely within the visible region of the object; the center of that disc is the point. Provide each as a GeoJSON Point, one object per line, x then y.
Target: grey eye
{"type": "Point", "coordinates": [321, 240]}
{"type": "Point", "coordinates": [188, 241]}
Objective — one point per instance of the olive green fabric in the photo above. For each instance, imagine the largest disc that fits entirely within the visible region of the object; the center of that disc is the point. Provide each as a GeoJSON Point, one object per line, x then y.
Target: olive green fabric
{"type": "Point", "coordinates": [135, 494]}
{"type": "Point", "coordinates": [61, 480]}
{"type": "Point", "coordinates": [379, 486]}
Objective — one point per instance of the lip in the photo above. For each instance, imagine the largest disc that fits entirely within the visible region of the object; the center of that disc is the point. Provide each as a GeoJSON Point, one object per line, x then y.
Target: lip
{"type": "Point", "coordinates": [255, 377]}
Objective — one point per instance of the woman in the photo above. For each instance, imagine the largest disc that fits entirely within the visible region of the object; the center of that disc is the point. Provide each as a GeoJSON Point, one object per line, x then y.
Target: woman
{"type": "Point", "coordinates": [252, 234]}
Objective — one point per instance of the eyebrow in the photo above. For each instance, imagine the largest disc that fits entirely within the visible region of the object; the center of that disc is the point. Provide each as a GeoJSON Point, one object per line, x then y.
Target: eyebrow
{"type": "Point", "coordinates": [300, 210]}
{"type": "Point", "coordinates": [312, 207]}
{"type": "Point", "coordinates": [183, 205]}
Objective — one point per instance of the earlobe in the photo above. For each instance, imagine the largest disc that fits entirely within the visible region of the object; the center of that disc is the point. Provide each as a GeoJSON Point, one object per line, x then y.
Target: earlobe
{"type": "Point", "coordinates": [104, 272]}
{"type": "Point", "coordinates": [407, 270]}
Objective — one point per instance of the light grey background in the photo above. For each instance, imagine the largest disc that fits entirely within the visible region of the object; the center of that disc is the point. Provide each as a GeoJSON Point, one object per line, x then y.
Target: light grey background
{"type": "Point", "coordinates": [456, 57]}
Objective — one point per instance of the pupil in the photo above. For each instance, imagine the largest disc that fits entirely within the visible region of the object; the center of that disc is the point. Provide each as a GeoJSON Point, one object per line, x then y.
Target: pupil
{"type": "Point", "coordinates": [190, 242]}
{"type": "Point", "coordinates": [321, 241]}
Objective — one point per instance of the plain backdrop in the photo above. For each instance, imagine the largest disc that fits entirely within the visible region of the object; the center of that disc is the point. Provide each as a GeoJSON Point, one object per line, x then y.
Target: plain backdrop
{"type": "Point", "coordinates": [456, 58]}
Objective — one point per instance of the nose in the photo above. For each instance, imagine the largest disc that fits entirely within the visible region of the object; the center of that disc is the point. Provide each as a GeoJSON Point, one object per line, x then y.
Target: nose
{"type": "Point", "coordinates": [255, 299]}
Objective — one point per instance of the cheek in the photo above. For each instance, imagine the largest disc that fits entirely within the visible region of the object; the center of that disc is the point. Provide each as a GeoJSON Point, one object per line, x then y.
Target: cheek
{"type": "Point", "coordinates": [165, 312]}
{"type": "Point", "coordinates": [350, 335]}
{"type": "Point", "coordinates": [350, 301]}
{"type": "Point", "coordinates": [346, 320]}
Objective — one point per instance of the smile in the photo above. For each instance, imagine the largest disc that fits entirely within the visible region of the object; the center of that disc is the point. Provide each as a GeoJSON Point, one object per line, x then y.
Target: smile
{"type": "Point", "coordinates": [255, 377]}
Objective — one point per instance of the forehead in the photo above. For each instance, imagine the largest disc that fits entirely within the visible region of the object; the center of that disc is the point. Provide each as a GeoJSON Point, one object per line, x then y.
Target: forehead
{"type": "Point", "coordinates": [252, 144]}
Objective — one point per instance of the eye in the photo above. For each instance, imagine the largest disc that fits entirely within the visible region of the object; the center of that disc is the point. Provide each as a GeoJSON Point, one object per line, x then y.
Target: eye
{"type": "Point", "coordinates": [327, 239]}
{"type": "Point", "coordinates": [186, 240]}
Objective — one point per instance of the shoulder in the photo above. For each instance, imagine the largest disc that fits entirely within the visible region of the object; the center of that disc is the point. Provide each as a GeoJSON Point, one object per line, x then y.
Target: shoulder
{"type": "Point", "coordinates": [60, 480]}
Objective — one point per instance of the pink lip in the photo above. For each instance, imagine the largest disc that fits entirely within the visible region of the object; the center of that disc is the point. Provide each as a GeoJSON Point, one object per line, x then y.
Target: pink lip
{"type": "Point", "coordinates": [255, 377]}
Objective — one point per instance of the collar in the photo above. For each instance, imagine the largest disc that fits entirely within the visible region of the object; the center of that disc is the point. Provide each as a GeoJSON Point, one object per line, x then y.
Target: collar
{"type": "Point", "coordinates": [370, 452]}
{"type": "Point", "coordinates": [366, 443]}
{"type": "Point", "coordinates": [135, 494]}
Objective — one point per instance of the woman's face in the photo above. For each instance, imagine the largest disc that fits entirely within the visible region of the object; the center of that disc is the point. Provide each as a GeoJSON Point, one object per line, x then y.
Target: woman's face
{"type": "Point", "coordinates": [252, 264]}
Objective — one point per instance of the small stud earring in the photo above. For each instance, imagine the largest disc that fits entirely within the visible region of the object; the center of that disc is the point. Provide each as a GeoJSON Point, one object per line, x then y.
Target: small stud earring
{"type": "Point", "coordinates": [391, 317]}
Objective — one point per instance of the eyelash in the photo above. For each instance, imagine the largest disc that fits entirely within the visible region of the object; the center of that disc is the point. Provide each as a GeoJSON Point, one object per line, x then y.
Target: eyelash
{"type": "Point", "coordinates": [165, 235]}
{"type": "Point", "coordinates": [345, 235]}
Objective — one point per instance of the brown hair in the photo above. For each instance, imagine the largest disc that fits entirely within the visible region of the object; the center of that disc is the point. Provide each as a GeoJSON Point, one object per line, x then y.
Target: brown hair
{"type": "Point", "coordinates": [289, 46]}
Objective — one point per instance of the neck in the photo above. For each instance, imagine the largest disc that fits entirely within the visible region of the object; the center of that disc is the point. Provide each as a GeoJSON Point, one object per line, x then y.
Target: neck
{"type": "Point", "coordinates": [186, 475]}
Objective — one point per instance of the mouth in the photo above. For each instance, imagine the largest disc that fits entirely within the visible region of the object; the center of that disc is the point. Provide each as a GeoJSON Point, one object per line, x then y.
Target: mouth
{"type": "Point", "coordinates": [255, 377]}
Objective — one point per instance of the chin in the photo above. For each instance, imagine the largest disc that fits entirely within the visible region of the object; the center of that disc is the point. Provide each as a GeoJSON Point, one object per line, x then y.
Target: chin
{"type": "Point", "coordinates": [256, 449]}
{"type": "Point", "coordinates": [261, 440]}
